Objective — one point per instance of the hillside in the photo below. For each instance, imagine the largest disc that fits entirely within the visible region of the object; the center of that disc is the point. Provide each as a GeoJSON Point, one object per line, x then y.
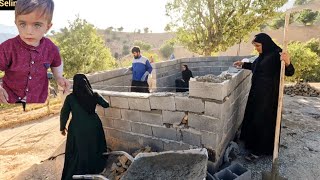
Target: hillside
{"type": "Point", "coordinates": [295, 33]}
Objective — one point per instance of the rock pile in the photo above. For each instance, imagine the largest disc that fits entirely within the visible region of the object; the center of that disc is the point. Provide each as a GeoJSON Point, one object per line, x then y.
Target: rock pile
{"type": "Point", "coordinates": [214, 79]}
{"type": "Point", "coordinates": [120, 164]}
{"type": "Point", "coordinates": [302, 89]}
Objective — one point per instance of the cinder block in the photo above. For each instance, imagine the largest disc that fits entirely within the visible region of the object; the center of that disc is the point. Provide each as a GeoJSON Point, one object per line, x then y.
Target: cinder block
{"type": "Point", "coordinates": [225, 174]}
{"type": "Point", "coordinates": [163, 103]}
{"type": "Point", "coordinates": [203, 123]}
{"type": "Point", "coordinates": [234, 171]}
{"type": "Point", "coordinates": [131, 115]}
{"type": "Point", "coordinates": [141, 128]}
{"type": "Point", "coordinates": [172, 117]}
{"type": "Point", "coordinates": [142, 104]}
{"type": "Point", "coordinates": [165, 133]}
{"type": "Point", "coordinates": [208, 90]}
{"type": "Point", "coordinates": [113, 113]}
{"type": "Point", "coordinates": [176, 146]}
{"type": "Point", "coordinates": [122, 125]}
{"type": "Point", "coordinates": [214, 109]}
{"type": "Point", "coordinates": [209, 139]}
{"type": "Point", "coordinates": [191, 137]}
{"type": "Point", "coordinates": [107, 122]}
{"type": "Point", "coordinates": [121, 135]}
{"type": "Point", "coordinates": [119, 102]}
{"type": "Point", "coordinates": [189, 104]}
{"type": "Point", "coordinates": [153, 117]}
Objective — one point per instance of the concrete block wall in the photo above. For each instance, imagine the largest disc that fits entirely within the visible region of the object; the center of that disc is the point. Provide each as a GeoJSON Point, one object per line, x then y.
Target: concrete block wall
{"type": "Point", "coordinates": [164, 73]}
{"type": "Point", "coordinates": [135, 120]}
{"type": "Point", "coordinates": [112, 80]}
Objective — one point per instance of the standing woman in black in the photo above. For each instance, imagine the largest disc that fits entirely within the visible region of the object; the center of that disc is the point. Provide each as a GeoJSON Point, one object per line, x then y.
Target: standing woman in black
{"type": "Point", "coordinates": [86, 139]}
{"type": "Point", "coordinates": [259, 121]}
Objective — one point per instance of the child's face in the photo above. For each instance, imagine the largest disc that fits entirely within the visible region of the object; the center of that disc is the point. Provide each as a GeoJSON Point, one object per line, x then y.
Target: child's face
{"type": "Point", "coordinates": [32, 27]}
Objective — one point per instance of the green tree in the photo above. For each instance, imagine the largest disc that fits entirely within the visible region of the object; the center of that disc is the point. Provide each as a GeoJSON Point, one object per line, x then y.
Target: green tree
{"type": "Point", "coordinates": [302, 2]}
{"type": "Point", "coordinates": [109, 30]}
{"type": "Point", "coordinates": [209, 26]}
{"type": "Point", "coordinates": [82, 49]}
{"type": "Point", "coordinates": [143, 45]}
{"type": "Point", "coordinates": [308, 17]}
{"type": "Point", "coordinates": [314, 45]}
{"type": "Point", "coordinates": [279, 21]}
{"type": "Point", "coordinates": [167, 49]}
{"type": "Point", "coordinates": [120, 29]}
{"type": "Point", "coordinates": [125, 50]}
{"type": "Point", "coordinates": [146, 30]}
{"type": "Point", "coordinates": [305, 61]}
{"type": "Point", "coordinates": [167, 28]}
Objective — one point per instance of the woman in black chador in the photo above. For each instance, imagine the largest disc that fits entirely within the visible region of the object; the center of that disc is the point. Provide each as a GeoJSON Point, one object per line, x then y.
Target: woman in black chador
{"type": "Point", "coordinates": [259, 121]}
{"type": "Point", "coordinates": [182, 85]}
{"type": "Point", "coordinates": [85, 140]}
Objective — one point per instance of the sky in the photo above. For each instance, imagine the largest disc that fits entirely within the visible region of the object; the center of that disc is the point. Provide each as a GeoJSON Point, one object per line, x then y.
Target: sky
{"type": "Point", "coordinates": [130, 14]}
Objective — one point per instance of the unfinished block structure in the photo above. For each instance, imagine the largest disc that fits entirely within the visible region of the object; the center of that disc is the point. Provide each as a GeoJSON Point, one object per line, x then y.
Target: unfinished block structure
{"type": "Point", "coordinates": [208, 116]}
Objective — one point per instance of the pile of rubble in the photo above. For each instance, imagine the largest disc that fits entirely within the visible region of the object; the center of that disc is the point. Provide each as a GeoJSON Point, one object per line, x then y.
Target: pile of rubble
{"type": "Point", "coordinates": [120, 164]}
{"type": "Point", "coordinates": [301, 89]}
{"type": "Point", "coordinates": [214, 79]}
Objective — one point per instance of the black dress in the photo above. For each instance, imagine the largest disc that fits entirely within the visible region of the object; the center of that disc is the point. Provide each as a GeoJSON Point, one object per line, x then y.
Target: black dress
{"type": "Point", "coordinates": [259, 122]}
{"type": "Point", "coordinates": [182, 85]}
{"type": "Point", "coordinates": [85, 140]}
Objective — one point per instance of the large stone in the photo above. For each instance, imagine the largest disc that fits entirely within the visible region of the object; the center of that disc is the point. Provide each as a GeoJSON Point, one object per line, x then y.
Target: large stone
{"type": "Point", "coordinates": [189, 104]}
{"type": "Point", "coordinates": [187, 165]}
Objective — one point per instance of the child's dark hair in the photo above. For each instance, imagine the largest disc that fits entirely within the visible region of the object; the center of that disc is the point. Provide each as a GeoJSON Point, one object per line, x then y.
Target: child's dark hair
{"type": "Point", "coordinates": [135, 49]}
{"type": "Point", "coordinates": [24, 7]}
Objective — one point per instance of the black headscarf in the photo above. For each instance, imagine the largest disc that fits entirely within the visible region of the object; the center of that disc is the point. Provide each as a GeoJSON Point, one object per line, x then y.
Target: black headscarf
{"type": "Point", "coordinates": [186, 74]}
{"type": "Point", "coordinates": [84, 94]}
{"type": "Point", "coordinates": [268, 45]}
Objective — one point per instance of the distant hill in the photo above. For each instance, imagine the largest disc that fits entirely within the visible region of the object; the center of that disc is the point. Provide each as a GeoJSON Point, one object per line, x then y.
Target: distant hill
{"type": "Point", "coordinates": [295, 33]}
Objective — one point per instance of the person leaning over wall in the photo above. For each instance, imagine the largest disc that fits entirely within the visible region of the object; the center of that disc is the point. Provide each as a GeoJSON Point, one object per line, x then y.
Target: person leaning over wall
{"type": "Point", "coordinates": [258, 127]}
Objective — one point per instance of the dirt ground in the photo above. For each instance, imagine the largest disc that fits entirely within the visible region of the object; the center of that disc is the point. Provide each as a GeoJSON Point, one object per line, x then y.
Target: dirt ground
{"type": "Point", "coordinates": [300, 142]}
{"type": "Point", "coordinates": [22, 148]}
{"type": "Point", "coordinates": [28, 144]}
